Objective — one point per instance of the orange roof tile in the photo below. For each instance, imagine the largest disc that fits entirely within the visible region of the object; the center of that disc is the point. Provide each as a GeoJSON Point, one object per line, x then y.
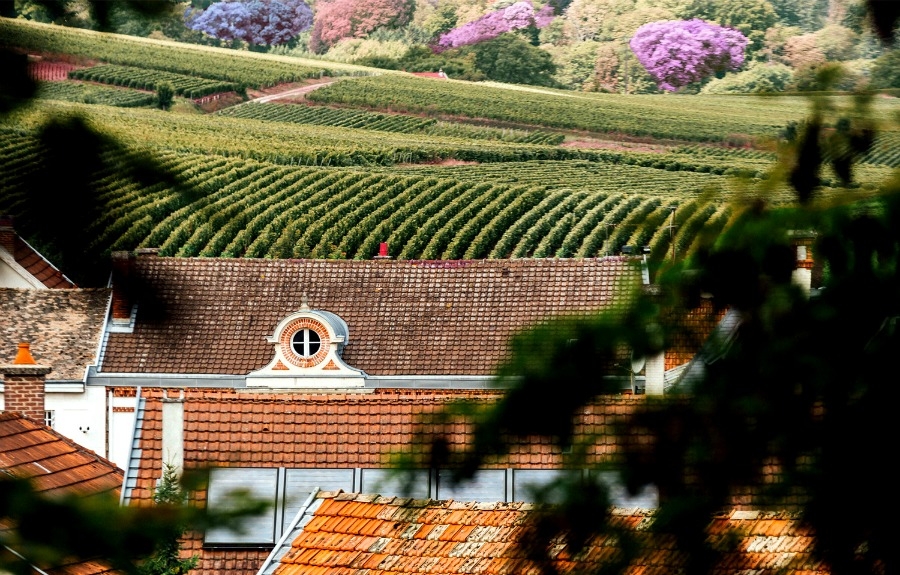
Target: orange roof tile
{"type": "Point", "coordinates": [218, 431]}
{"type": "Point", "coordinates": [55, 464]}
{"type": "Point", "coordinates": [497, 551]}
{"type": "Point", "coordinates": [404, 317]}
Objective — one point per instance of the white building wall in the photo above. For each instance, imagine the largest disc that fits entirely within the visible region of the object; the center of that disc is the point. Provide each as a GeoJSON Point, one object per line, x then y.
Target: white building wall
{"type": "Point", "coordinates": [81, 417]}
{"type": "Point", "coordinates": [122, 413]}
{"type": "Point", "coordinates": [94, 420]}
{"type": "Point", "coordinates": [13, 278]}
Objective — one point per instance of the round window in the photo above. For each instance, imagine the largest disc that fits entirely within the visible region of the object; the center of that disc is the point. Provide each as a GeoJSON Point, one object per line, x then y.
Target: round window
{"type": "Point", "coordinates": [306, 342]}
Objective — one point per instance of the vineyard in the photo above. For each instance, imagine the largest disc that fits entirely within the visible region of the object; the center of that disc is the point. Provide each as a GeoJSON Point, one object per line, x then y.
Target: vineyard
{"type": "Point", "coordinates": [144, 79]}
{"type": "Point", "coordinates": [250, 69]}
{"type": "Point", "coordinates": [437, 169]}
{"type": "Point", "coordinates": [245, 208]}
{"type": "Point", "coordinates": [74, 92]}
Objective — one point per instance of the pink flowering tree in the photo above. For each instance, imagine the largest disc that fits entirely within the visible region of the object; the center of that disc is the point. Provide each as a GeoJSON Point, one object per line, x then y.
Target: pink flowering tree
{"type": "Point", "coordinates": [679, 52]}
{"type": "Point", "coordinates": [514, 17]}
{"type": "Point", "coordinates": [259, 22]}
{"type": "Point", "coordinates": [339, 19]}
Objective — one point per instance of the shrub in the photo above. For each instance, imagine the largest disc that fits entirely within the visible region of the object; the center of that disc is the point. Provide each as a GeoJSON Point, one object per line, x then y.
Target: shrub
{"type": "Point", "coordinates": [886, 70]}
{"type": "Point", "coordinates": [759, 78]}
{"type": "Point", "coordinates": [165, 93]}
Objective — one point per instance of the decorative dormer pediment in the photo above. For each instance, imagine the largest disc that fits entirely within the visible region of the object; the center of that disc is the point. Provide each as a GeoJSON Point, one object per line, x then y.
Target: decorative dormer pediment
{"type": "Point", "coordinates": [307, 347]}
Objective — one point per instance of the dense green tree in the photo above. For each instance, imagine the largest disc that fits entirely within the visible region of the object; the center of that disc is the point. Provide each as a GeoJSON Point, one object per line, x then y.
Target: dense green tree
{"type": "Point", "coordinates": [443, 19]}
{"type": "Point", "coordinates": [751, 17]}
{"type": "Point", "coordinates": [808, 15]}
{"type": "Point", "coordinates": [165, 93]}
{"type": "Point", "coordinates": [886, 70]}
{"type": "Point", "coordinates": [576, 64]}
{"type": "Point", "coordinates": [512, 59]}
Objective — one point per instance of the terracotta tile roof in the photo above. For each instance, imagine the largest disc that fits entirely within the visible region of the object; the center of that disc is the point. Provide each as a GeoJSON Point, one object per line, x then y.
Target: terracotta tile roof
{"type": "Point", "coordinates": [405, 317]}
{"type": "Point", "coordinates": [693, 330]}
{"type": "Point", "coordinates": [64, 327]}
{"type": "Point", "coordinates": [56, 465]}
{"type": "Point", "coordinates": [53, 463]}
{"type": "Point", "coordinates": [30, 259]}
{"type": "Point", "coordinates": [351, 534]}
{"type": "Point", "coordinates": [232, 428]}
{"type": "Point", "coordinates": [83, 568]}
{"type": "Point", "coordinates": [223, 561]}
{"type": "Point", "coordinates": [229, 428]}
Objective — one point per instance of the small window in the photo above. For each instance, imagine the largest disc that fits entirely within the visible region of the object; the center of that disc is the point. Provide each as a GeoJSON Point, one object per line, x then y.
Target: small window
{"type": "Point", "coordinates": [50, 418]}
{"type": "Point", "coordinates": [306, 342]}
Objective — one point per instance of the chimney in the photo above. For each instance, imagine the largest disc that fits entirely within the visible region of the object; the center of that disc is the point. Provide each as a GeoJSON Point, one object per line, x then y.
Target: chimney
{"type": "Point", "coordinates": [655, 373]}
{"type": "Point", "coordinates": [173, 430]}
{"type": "Point", "coordinates": [7, 234]}
{"type": "Point", "coordinates": [121, 289]}
{"type": "Point", "coordinates": [24, 384]}
{"type": "Point", "coordinates": [382, 252]}
{"type": "Point", "coordinates": [802, 274]}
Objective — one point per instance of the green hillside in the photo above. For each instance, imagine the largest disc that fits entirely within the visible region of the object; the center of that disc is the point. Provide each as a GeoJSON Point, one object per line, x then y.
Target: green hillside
{"type": "Point", "coordinates": [439, 169]}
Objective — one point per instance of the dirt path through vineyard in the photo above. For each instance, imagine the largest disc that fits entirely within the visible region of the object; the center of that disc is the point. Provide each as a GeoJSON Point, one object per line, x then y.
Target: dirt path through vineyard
{"type": "Point", "coordinates": [291, 94]}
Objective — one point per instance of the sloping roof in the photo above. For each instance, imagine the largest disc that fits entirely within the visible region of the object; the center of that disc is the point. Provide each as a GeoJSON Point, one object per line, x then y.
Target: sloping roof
{"type": "Point", "coordinates": [29, 259]}
{"type": "Point", "coordinates": [351, 534]}
{"type": "Point", "coordinates": [233, 428]}
{"type": "Point", "coordinates": [230, 428]}
{"type": "Point", "coordinates": [64, 327]}
{"type": "Point", "coordinates": [54, 463]}
{"type": "Point", "coordinates": [213, 316]}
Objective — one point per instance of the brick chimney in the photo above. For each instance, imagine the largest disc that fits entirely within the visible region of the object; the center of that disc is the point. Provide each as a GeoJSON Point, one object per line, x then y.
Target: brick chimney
{"type": "Point", "coordinates": [7, 234]}
{"type": "Point", "coordinates": [121, 288]}
{"type": "Point", "coordinates": [24, 384]}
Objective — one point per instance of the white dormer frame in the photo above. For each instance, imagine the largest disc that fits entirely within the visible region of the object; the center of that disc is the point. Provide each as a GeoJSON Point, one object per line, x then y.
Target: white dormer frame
{"type": "Point", "coordinates": [317, 364]}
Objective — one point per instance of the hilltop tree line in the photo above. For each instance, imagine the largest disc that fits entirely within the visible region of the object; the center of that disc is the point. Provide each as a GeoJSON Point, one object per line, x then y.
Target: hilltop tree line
{"type": "Point", "coordinates": [587, 45]}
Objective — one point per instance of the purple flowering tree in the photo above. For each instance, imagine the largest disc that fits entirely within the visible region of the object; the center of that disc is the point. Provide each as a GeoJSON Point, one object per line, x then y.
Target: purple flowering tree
{"type": "Point", "coordinates": [260, 22]}
{"type": "Point", "coordinates": [679, 52]}
{"type": "Point", "coordinates": [513, 17]}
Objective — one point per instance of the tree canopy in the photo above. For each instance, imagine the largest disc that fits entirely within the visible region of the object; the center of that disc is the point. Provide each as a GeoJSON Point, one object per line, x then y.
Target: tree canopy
{"type": "Point", "coordinates": [514, 17]}
{"type": "Point", "coordinates": [512, 59]}
{"type": "Point", "coordinates": [679, 52]}
{"type": "Point", "coordinates": [339, 19]}
{"type": "Point", "coordinates": [258, 22]}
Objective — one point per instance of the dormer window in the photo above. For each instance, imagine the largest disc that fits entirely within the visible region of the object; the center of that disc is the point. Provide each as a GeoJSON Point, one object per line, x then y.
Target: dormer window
{"type": "Point", "coordinates": [306, 342]}
{"type": "Point", "coordinates": [308, 345]}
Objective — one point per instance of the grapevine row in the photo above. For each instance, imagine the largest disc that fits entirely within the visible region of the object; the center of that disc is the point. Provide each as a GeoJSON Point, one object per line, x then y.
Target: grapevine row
{"type": "Point", "coordinates": [74, 92]}
{"type": "Point", "coordinates": [149, 79]}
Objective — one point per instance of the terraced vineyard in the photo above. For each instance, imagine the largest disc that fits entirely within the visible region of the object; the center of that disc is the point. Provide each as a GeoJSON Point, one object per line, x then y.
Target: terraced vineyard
{"type": "Point", "coordinates": [402, 123]}
{"type": "Point", "coordinates": [75, 92]}
{"type": "Point", "coordinates": [143, 79]}
{"type": "Point", "coordinates": [250, 69]}
{"type": "Point", "coordinates": [246, 208]}
{"type": "Point", "coordinates": [437, 169]}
